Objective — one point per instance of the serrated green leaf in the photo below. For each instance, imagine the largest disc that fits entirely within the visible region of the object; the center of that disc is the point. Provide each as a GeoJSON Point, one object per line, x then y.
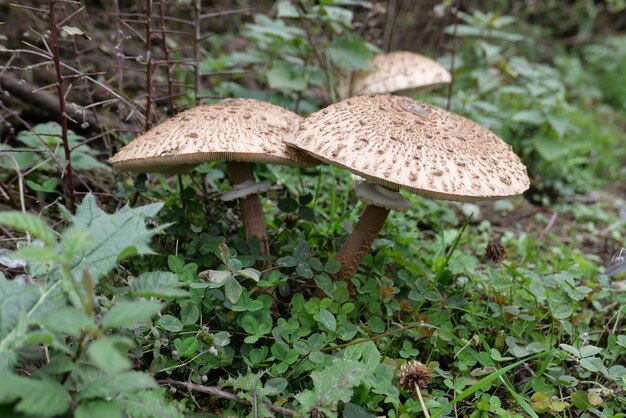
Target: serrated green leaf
{"type": "Point", "coordinates": [332, 385]}
{"type": "Point", "coordinates": [42, 398]}
{"type": "Point", "coordinates": [115, 236]}
{"type": "Point", "coordinates": [127, 313]}
{"type": "Point", "coordinates": [160, 284]}
{"type": "Point", "coordinates": [28, 223]}
{"type": "Point", "coordinates": [75, 240]}
{"type": "Point", "coordinates": [109, 354]}
{"type": "Point", "coordinates": [109, 386]}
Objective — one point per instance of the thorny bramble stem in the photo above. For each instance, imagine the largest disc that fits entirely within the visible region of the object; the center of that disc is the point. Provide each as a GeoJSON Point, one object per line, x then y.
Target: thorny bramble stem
{"type": "Point", "coordinates": [56, 57]}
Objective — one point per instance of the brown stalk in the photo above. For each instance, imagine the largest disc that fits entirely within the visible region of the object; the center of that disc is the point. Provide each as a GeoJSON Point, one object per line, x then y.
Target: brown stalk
{"type": "Point", "coordinates": [452, 59]}
{"type": "Point", "coordinates": [148, 62]}
{"type": "Point", "coordinates": [56, 57]}
{"type": "Point", "coordinates": [168, 64]}
{"type": "Point", "coordinates": [360, 241]}
{"type": "Point", "coordinates": [196, 48]}
{"type": "Point", "coordinates": [251, 208]}
{"type": "Point", "coordinates": [215, 391]}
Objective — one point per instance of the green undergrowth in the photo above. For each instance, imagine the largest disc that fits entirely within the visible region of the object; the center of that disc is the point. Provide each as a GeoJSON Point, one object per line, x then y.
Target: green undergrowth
{"type": "Point", "coordinates": [158, 310]}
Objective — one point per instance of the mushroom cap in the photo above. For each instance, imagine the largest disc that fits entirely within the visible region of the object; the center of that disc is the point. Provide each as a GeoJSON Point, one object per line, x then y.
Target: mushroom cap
{"type": "Point", "coordinates": [395, 72]}
{"type": "Point", "coordinates": [244, 130]}
{"type": "Point", "coordinates": [401, 143]}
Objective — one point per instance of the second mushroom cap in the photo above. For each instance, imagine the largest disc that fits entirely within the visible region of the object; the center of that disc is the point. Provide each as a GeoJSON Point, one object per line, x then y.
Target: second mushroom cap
{"type": "Point", "coordinates": [406, 144]}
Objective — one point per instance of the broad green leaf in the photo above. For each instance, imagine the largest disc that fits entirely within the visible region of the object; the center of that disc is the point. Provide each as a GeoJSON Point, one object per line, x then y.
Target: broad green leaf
{"type": "Point", "coordinates": [232, 289]}
{"type": "Point", "coordinates": [42, 398]}
{"type": "Point", "coordinates": [549, 148]}
{"type": "Point", "coordinates": [159, 284]}
{"type": "Point", "coordinates": [250, 273]}
{"type": "Point", "coordinates": [350, 52]}
{"type": "Point", "coordinates": [332, 385]}
{"type": "Point", "coordinates": [328, 319]}
{"type": "Point", "coordinates": [27, 222]}
{"type": "Point", "coordinates": [98, 409]}
{"type": "Point", "coordinates": [286, 76]}
{"type": "Point", "coordinates": [75, 240]}
{"type": "Point", "coordinates": [152, 403]}
{"type": "Point", "coordinates": [187, 347]}
{"type": "Point", "coordinates": [115, 236]}
{"type": "Point", "coordinates": [170, 323]}
{"type": "Point", "coordinates": [15, 300]}
{"type": "Point", "coordinates": [127, 313]}
{"type": "Point", "coordinates": [529, 116]}
{"type": "Point", "coordinates": [571, 349]}
{"type": "Point", "coordinates": [68, 320]}
{"type": "Point", "coordinates": [109, 386]}
{"type": "Point", "coordinates": [351, 410]}
{"type": "Point", "coordinates": [110, 353]}
{"type": "Point", "coordinates": [589, 350]}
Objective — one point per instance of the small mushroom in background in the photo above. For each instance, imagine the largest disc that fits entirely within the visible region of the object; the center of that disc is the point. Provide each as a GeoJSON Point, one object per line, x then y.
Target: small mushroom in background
{"type": "Point", "coordinates": [238, 131]}
{"type": "Point", "coordinates": [399, 143]}
{"type": "Point", "coordinates": [400, 72]}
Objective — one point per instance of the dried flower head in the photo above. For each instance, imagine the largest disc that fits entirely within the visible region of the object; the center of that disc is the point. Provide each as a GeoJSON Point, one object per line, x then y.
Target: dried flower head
{"type": "Point", "coordinates": [413, 373]}
{"type": "Point", "coordinates": [495, 251]}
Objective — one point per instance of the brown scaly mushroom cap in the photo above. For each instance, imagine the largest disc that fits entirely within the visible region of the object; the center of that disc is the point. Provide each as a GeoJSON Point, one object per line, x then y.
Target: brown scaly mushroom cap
{"type": "Point", "coordinates": [395, 72]}
{"type": "Point", "coordinates": [405, 144]}
{"type": "Point", "coordinates": [244, 130]}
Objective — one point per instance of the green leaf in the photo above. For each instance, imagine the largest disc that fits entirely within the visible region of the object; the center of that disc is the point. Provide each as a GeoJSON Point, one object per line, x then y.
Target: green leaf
{"type": "Point", "coordinates": [170, 323]}
{"type": "Point", "coordinates": [559, 124]}
{"type": "Point", "coordinates": [549, 148]}
{"type": "Point", "coordinates": [351, 410]}
{"type": "Point", "coordinates": [288, 205]}
{"type": "Point", "coordinates": [127, 313]}
{"type": "Point", "coordinates": [332, 385]}
{"type": "Point", "coordinates": [29, 223]}
{"type": "Point", "coordinates": [75, 240]}
{"type": "Point", "coordinates": [68, 320]}
{"type": "Point", "coordinates": [187, 347]}
{"type": "Point", "coordinates": [42, 398]}
{"type": "Point", "coordinates": [562, 311]}
{"type": "Point", "coordinates": [286, 76]}
{"type": "Point", "coordinates": [98, 409]}
{"type": "Point", "coordinates": [109, 386]}
{"type": "Point", "coordinates": [109, 354]}
{"type": "Point", "coordinates": [350, 52]}
{"type": "Point", "coordinates": [159, 284]}
{"type": "Point", "coordinates": [534, 117]}
{"type": "Point", "coordinates": [250, 273]}
{"type": "Point", "coordinates": [589, 350]}
{"type": "Point", "coordinates": [115, 236]}
{"type": "Point", "coordinates": [15, 299]}
{"type": "Point", "coordinates": [486, 382]}
{"type": "Point", "coordinates": [328, 319]}
{"type": "Point", "coordinates": [232, 290]}
{"type": "Point", "coordinates": [153, 403]}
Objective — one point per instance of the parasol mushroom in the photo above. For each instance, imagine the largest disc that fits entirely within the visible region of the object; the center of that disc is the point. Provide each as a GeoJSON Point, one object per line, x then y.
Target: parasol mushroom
{"type": "Point", "coordinates": [399, 143]}
{"type": "Point", "coordinates": [238, 131]}
{"type": "Point", "coordinates": [400, 72]}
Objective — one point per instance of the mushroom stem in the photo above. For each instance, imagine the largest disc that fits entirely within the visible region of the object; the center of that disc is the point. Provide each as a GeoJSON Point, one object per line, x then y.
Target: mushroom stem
{"type": "Point", "coordinates": [251, 208]}
{"type": "Point", "coordinates": [360, 240]}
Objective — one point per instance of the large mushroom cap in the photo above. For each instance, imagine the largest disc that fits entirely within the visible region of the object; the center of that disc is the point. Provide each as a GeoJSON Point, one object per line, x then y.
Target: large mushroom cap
{"type": "Point", "coordinates": [405, 144]}
{"type": "Point", "coordinates": [395, 72]}
{"type": "Point", "coordinates": [245, 130]}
